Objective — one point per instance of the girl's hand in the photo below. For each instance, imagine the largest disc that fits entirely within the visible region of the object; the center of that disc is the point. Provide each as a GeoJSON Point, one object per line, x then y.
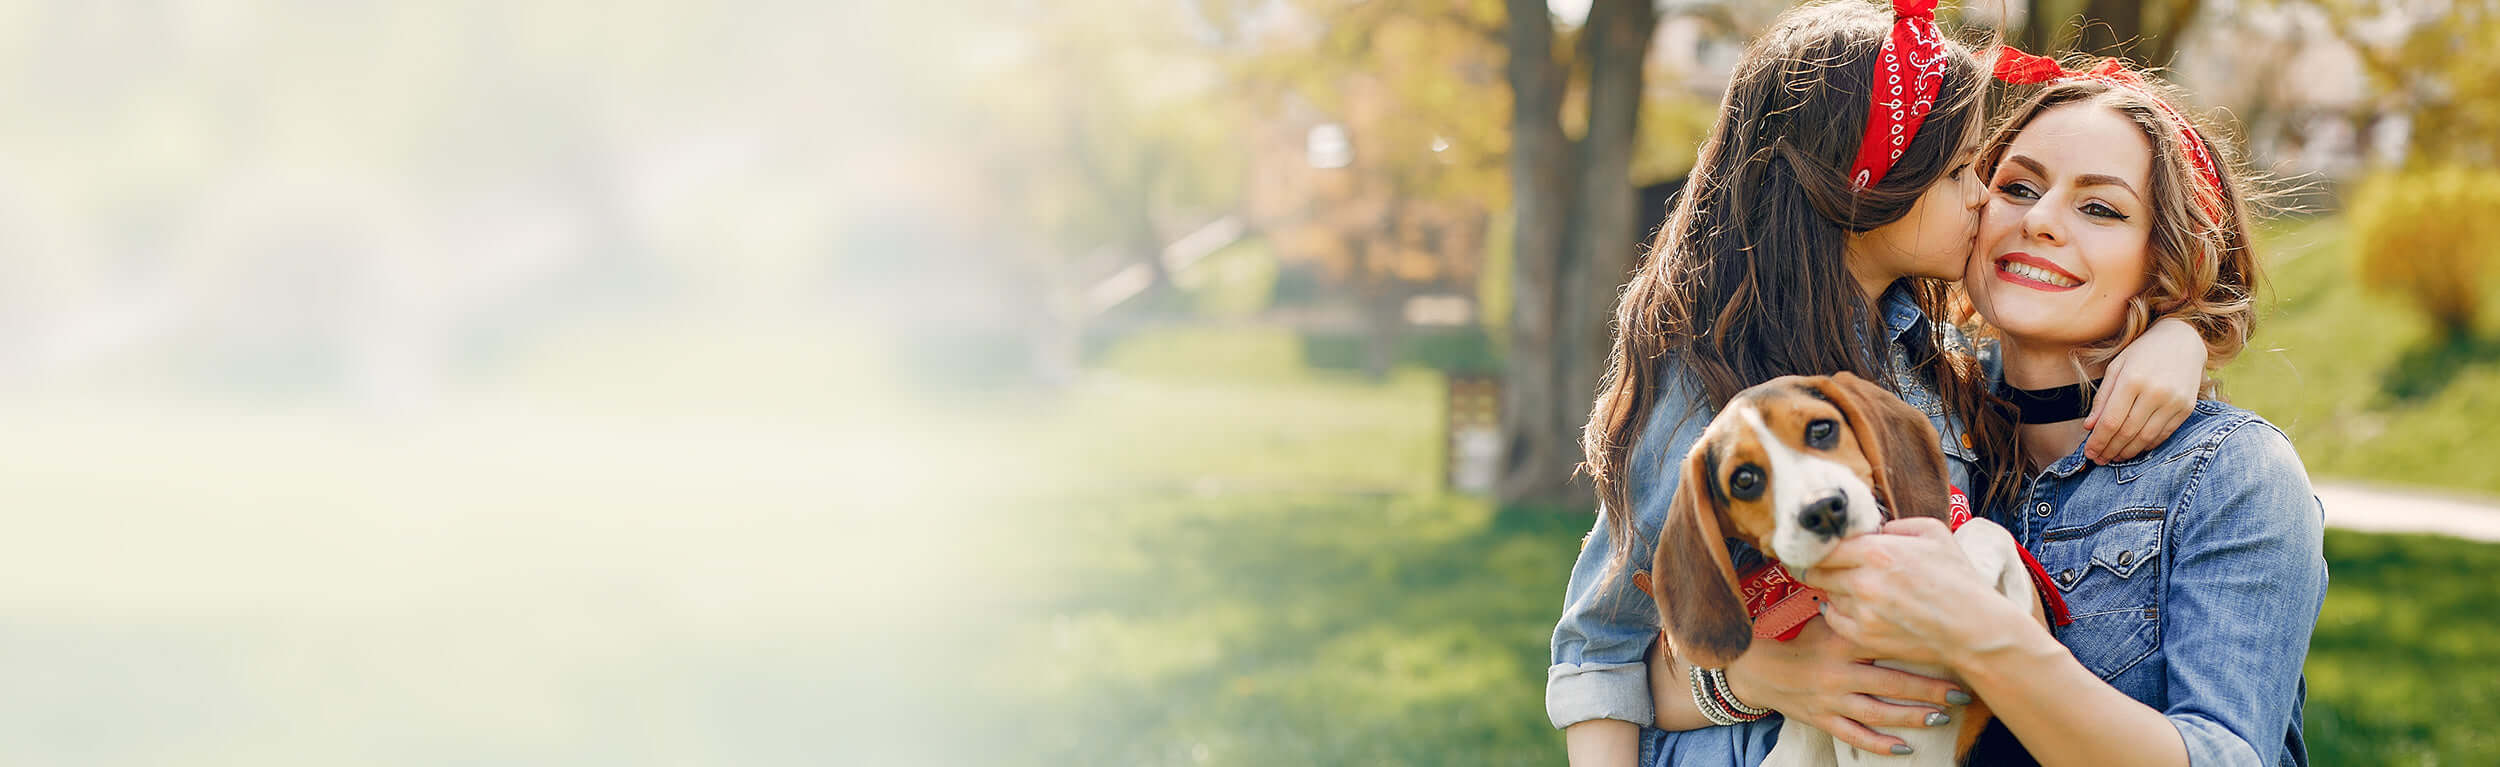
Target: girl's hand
{"type": "Point", "coordinates": [1909, 594]}
{"type": "Point", "coordinates": [1821, 679]}
{"type": "Point", "coordinates": [2148, 390]}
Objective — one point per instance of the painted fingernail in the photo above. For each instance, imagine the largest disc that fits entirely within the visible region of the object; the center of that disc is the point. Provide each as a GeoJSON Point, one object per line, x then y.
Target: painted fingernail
{"type": "Point", "coordinates": [1957, 697]}
{"type": "Point", "coordinates": [1900, 749]}
{"type": "Point", "coordinates": [1937, 719]}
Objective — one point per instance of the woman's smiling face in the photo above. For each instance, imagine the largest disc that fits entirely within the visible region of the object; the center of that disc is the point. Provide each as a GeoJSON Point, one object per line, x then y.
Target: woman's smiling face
{"type": "Point", "coordinates": [2063, 240]}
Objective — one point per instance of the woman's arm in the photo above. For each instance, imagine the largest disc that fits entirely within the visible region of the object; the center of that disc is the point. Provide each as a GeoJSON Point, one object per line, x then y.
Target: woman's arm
{"type": "Point", "coordinates": [2063, 713]}
{"type": "Point", "coordinates": [1912, 595]}
{"type": "Point", "coordinates": [2246, 579]}
{"type": "Point", "coordinates": [2148, 390]}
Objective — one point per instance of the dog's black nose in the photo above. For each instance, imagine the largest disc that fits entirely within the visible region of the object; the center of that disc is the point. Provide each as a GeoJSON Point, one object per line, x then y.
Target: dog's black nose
{"type": "Point", "coordinates": [1826, 516]}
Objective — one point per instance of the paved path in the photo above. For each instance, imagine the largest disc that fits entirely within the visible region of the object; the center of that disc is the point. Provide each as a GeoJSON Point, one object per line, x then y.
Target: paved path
{"type": "Point", "coordinates": [2382, 509]}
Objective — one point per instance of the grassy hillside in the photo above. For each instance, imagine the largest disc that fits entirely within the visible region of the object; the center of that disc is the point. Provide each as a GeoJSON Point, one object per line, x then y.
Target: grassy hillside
{"type": "Point", "coordinates": [2355, 378]}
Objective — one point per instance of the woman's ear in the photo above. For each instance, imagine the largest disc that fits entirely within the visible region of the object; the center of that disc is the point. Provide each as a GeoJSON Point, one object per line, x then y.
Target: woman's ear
{"type": "Point", "coordinates": [1900, 445]}
{"type": "Point", "coordinates": [1696, 586]}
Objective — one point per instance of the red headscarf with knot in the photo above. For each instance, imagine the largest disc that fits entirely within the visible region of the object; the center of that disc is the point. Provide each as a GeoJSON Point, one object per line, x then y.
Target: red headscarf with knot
{"type": "Point", "coordinates": [1907, 73]}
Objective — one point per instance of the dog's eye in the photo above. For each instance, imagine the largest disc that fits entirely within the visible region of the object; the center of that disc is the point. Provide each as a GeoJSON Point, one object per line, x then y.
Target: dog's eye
{"type": "Point", "coordinates": [1746, 483]}
{"type": "Point", "coordinates": [1820, 434]}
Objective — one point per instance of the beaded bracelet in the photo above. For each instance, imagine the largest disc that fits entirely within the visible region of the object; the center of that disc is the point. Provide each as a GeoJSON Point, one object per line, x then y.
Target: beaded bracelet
{"type": "Point", "coordinates": [1706, 702]}
{"type": "Point", "coordinates": [1742, 710]}
{"type": "Point", "coordinates": [1711, 696]}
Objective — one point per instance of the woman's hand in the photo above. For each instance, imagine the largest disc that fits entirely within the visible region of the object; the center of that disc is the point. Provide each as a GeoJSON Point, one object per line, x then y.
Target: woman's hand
{"type": "Point", "coordinates": [2148, 390]}
{"type": "Point", "coordinates": [1821, 679]}
{"type": "Point", "coordinates": [1909, 594]}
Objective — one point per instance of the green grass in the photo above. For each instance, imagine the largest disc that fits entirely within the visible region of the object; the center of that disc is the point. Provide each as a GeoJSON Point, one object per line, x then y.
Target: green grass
{"type": "Point", "coordinates": [1261, 569]}
{"type": "Point", "coordinates": [1253, 565]}
{"type": "Point", "coordinates": [2357, 380]}
{"type": "Point", "coordinates": [2400, 670]}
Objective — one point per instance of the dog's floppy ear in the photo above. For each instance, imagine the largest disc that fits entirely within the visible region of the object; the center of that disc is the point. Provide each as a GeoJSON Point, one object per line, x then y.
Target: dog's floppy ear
{"type": "Point", "coordinates": [1696, 586]}
{"type": "Point", "coordinates": [1899, 443]}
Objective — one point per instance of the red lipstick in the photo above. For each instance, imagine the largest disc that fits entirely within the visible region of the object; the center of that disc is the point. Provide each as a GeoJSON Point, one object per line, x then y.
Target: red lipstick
{"type": "Point", "coordinates": [2035, 262]}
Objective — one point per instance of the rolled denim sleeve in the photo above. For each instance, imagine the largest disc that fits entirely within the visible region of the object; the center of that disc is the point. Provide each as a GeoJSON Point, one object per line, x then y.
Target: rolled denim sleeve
{"type": "Point", "coordinates": [2247, 580]}
{"type": "Point", "coordinates": [1600, 646]}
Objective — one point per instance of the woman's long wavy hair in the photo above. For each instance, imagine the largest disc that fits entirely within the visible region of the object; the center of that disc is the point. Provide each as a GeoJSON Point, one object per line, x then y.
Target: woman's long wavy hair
{"type": "Point", "coordinates": [1747, 281]}
{"type": "Point", "coordinates": [2203, 268]}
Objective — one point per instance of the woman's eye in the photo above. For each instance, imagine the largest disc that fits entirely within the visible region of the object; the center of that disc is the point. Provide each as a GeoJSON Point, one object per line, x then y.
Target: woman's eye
{"type": "Point", "coordinates": [1820, 434]}
{"type": "Point", "coordinates": [2017, 190]}
{"type": "Point", "coordinates": [1746, 483]}
{"type": "Point", "coordinates": [2103, 211]}
{"type": "Point", "coordinates": [1957, 170]}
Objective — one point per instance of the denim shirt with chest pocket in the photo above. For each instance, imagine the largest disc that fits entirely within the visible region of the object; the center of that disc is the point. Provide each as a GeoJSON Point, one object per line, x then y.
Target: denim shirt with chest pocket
{"type": "Point", "coordinates": [2193, 574]}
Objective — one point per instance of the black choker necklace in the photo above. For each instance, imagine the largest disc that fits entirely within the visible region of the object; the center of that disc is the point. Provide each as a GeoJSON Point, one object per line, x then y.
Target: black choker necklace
{"type": "Point", "coordinates": [2052, 405]}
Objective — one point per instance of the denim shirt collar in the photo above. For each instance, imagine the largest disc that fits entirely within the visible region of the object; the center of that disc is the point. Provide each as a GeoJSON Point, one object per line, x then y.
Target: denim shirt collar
{"type": "Point", "coordinates": [1906, 333]}
{"type": "Point", "coordinates": [1900, 314]}
{"type": "Point", "coordinates": [2075, 462]}
{"type": "Point", "coordinates": [1900, 310]}
{"type": "Point", "coordinates": [2127, 470]}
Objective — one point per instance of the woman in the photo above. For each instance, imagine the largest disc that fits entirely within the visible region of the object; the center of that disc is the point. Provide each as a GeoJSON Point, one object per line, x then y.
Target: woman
{"type": "Point", "coordinates": [2193, 573]}
{"type": "Point", "coordinates": [1805, 242]}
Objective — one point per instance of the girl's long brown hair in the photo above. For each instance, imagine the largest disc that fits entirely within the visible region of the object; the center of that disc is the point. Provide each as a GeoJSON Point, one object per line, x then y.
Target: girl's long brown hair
{"type": "Point", "coordinates": [1747, 282]}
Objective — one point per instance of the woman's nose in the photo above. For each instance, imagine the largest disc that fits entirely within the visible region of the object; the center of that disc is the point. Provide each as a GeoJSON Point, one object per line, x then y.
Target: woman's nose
{"type": "Point", "coordinates": [2039, 222]}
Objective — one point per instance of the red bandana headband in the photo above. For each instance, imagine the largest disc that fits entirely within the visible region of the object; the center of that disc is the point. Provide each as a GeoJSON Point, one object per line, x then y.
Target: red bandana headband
{"type": "Point", "coordinates": [2019, 68]}
{"type": "Point", "coordinates": [1907, 74]}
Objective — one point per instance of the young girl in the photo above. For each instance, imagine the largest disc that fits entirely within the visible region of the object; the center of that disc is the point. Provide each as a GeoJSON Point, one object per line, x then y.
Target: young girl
{"type": "Point", "coordinates": [2193, 573]}
{"type": "Point", "coordinates": [1819, 230]}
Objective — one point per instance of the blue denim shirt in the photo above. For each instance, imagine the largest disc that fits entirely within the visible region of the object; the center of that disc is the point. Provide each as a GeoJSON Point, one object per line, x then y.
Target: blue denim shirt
{"type": "Point", "coordinates": [2194, 573]}
{"type": "Point", "coordinates": [1600, 647]}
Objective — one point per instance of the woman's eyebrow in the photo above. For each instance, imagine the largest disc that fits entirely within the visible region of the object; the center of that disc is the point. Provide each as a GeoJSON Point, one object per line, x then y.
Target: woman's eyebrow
{"type": "Point", "coordinates": [2087, 179]}
{"type": "Point", "coordinates": [2100, 179]}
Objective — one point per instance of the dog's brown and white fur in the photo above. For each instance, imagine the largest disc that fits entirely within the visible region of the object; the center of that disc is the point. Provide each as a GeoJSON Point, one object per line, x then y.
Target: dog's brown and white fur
{"type": "Point", "coordinates": [1792, 467]}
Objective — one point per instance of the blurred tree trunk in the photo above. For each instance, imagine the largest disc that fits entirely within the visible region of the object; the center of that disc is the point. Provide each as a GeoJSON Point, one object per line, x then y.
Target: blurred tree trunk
{"type": "Point", "coordinates": [2110, 27]}
{"type": "Point", "coordinates": [2039, 32]}
{"type": "Point", "coordinates": [1597, 258]}
{"type": "Point", "coordinates": [2143, 31]}
{"type": "Point", "coordinates": [1384, 318]}
{"type": "Point", "coordinates": [1540, 155]}
{"type": "Point", "coordinates": [2170, 26]}
{"type": "Point", "coordinates": [1380, 295]}
{"type": "Point", "coordinates": [1571, 241]}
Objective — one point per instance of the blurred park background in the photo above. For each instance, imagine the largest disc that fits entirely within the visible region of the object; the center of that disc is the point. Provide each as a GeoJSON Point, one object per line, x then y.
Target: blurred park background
{"type": "Point", "coordinates": [999, 381]}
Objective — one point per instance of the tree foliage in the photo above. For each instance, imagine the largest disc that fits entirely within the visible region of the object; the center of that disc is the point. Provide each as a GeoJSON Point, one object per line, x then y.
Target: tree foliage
{"type": "Point", "coordinates": [1412, 88]}
{"type": "Point", "coordinates": [2426, 236]}
{"type": "Point", "coordinates": [1103, 128]}
{"type": "Point", "coordinates": [2431, 63]}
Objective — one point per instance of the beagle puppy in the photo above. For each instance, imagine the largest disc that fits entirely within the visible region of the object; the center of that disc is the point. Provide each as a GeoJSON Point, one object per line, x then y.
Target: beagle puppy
{"type": "Point", "coordinates": [1790, 468]}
